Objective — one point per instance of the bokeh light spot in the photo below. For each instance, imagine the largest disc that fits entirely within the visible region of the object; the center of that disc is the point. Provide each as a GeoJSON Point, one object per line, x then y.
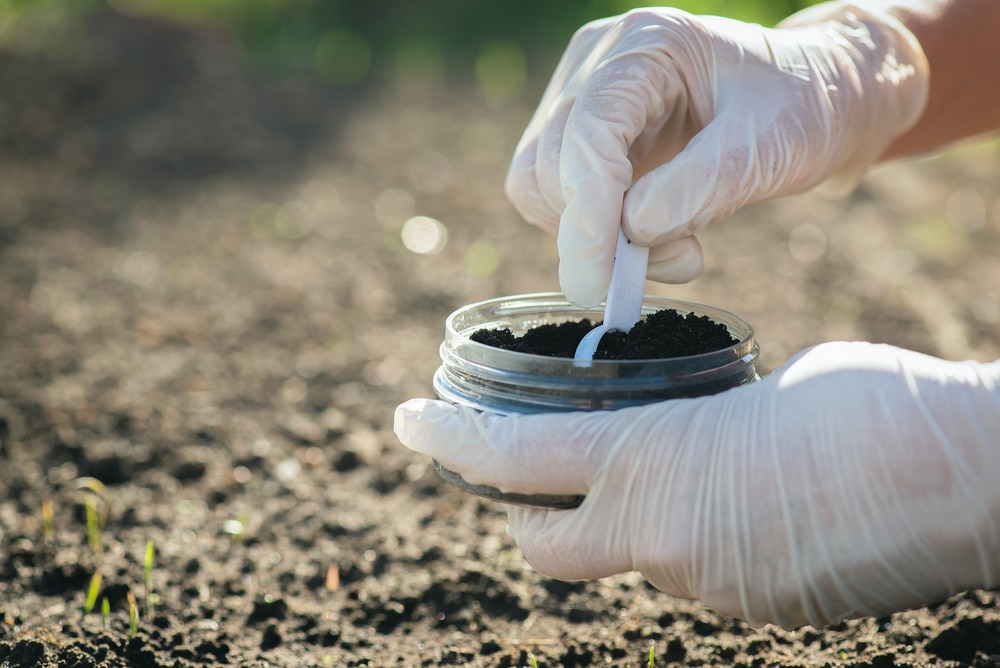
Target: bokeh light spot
{"type": "Point", "coordinates": [807, 243]}
{"type": "Point", "coordinates": [424, 235]}
{"type": "Point", "coordinates": [966, 210]}
{"type": "Point", "coordinates": [501, 70]}
{"type": "Point", "coordinates": [138, 268]}
{"type": "Point", "coordinates": [294, 390]}
{"type": "Point", "coordinates": [342, 57]}
{"type": "Point", "coordinates": [266, 221]}
{"type": "Point", "coordinates": [482, 142]}
{"type": "Point", "coordinates": [934, 238]}
{"type": "Point", "coordinates": [420, 63]}
{"type": "Point", "coordinates": [482, 258]}
{"type": "Point", "coordinates": [293, 222]}
{"type": "Point", "coordinates": [350, 394]}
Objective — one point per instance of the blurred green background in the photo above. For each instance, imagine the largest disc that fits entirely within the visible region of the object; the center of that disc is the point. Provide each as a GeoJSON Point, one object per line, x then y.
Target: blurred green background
{"type": "Point", "coordinates": [352, 41]}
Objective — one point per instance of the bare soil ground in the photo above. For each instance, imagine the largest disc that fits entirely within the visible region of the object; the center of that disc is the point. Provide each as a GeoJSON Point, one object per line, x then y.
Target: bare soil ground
{"type": "Point", "coordinates": [206, 305]}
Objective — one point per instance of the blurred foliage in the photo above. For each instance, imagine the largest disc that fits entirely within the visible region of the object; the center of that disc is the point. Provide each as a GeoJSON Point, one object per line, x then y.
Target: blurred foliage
{"type": "Point", "coordinates": [345, 41]}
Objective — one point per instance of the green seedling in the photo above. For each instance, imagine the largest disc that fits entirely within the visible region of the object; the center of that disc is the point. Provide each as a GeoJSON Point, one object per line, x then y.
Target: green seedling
{"type": "Point", "coordinates": [97, 504]}
{"type": "Point", "coordinates": [93, 592]}
{"type": "Point", "coordinates": [652, 657]}
{"type": "Point", "coordinates": [532, 660]}
{"type": "Point", "coordinates": [92, 484]}
{"type": "Point", "coordinates": [147, 577]}
{"type": "Point", "coordinates": [93, 526]}
{"type": "Point", "coordinates": [106, 613]}
{"type": "Point", "coordinates": [99, 490]}
{"type": "Point", "coordinates": [133, 615]}
{"type": "Point", "coordinates": [148, 564]}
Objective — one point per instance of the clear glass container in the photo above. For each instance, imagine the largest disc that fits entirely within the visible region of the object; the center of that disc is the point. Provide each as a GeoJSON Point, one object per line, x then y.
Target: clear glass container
{"type": "Point", "coordinates": [502, 381]}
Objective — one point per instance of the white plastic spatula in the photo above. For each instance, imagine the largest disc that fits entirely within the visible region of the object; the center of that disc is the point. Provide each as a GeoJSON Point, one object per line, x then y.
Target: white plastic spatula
{"type": "Point", "coordinates": [624, 303]}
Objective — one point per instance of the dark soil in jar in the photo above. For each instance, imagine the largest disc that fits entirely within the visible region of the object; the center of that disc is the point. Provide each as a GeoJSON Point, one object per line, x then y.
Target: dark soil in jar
{"type": "Point", "coordinates": [660, 335]}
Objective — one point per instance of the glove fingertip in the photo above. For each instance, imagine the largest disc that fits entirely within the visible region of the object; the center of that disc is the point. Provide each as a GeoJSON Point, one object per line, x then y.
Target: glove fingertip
{"type": "Point", "coordinates": [586, 288]}
{"type": "Point", "coordinates": [523, 191]}
{"type": "Point", "coordinates": [678, 262]}
{"type": "Point", "coordinates": [416, 421]}
{"type": "Point", "coordinates": [584, 266]}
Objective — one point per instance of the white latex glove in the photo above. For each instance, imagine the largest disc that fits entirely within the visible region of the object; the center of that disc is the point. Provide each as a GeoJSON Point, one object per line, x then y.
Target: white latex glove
{"type": "Point", "coordinates": [705, 115]}
{"type": "Point", "coordinates": [857, 480]}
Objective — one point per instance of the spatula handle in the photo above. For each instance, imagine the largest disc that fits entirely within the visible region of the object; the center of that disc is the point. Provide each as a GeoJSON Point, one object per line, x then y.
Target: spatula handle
{"type": "Point", "coordinates": [628, 281]}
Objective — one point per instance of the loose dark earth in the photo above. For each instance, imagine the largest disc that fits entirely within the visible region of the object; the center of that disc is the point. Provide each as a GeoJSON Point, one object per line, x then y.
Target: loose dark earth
{"type": "Point", "coordinates": [208, 314]}
{"type": "Point", "coordinates": [660, 335]}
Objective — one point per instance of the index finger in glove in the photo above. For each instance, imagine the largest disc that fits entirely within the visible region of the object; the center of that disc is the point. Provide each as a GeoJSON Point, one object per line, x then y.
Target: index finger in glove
{"type": "Point", "coordinates": [530, 185]}
{"type": "Point", "coordinates": [552, 453]}
{"type": "Point", "coordinates": [629, 93]}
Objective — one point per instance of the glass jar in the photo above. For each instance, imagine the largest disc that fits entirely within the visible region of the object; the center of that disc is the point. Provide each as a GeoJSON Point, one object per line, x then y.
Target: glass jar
{"type": "Point", "coordinates": [502, 381]}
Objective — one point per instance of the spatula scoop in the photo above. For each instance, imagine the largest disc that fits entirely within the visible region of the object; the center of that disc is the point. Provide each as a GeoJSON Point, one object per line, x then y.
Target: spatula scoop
{"type": "Point", "coordinates": [624, 303]}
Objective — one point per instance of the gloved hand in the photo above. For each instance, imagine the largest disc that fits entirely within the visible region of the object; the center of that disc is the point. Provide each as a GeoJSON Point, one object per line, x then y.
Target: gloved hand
{"type": "Point", "coordinates": [664, 122]}
{"type": "Point", "coordinates": [859, 479]}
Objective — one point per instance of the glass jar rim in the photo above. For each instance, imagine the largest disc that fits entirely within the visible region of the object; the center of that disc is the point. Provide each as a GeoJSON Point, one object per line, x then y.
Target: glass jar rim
{"type": "Point", "coordinates": [497, 312]}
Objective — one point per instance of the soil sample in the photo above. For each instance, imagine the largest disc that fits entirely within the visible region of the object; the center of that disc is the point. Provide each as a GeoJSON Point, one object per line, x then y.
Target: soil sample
{"type": "Point", "coordinates": [660, 335]}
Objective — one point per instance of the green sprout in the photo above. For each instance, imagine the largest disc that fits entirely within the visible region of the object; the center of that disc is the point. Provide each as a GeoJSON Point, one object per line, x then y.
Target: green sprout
{"type": "Point", "coordinates": [106, 613]}
{"type": "Point", "coordinates": [93, 526]}
{"type": "Point", "coordinates": [48, 520]}
{"type": "Point", "coordinates": [652, 653]}
{"type": "Point", "coordinates": [533, 660]}
{"type": "Point", "coordinates": [93, 592]}
{"type": "Point", "coordinates": [98, 504]}
{"type": "Point", "coordinates": [99, 490]}
{"type": "Point", "coordinates": [133, 615]}
{"type": "Point", "coordinates": [147, 577]}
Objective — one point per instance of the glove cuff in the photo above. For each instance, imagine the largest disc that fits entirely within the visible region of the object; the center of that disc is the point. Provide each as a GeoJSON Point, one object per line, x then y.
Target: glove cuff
{"type": "Point", "coordinates": [890, 74]}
